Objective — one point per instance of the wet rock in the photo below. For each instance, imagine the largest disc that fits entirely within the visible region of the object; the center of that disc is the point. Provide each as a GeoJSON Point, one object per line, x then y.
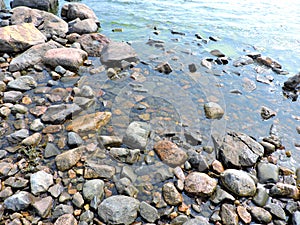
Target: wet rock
{"type": "Point", "coordinates": [85, 26]}
{"type": "Point", "coordinates": [119, 209]}
{"type": "Point", "coordinates": [93, 170]}
{"type": "Point", "coordinates": [125, 155]}
{"type": "Point", "coordinates": [238, 182]}
{"type": "Point", "coordinates": [198, 161]}
{"type": "Point", "coordinates": [12, 96]}
{"type": "Point", "coordinates": [296, 218]}
{"type": "Point", "coordinates": [32, 140]}
{"type": "Point", "coordinates": [292, 83]}
{"type": "Point", "coordinates": [61, 209]}
{"type": "Point", "coordinates": [170, 153]}
{"type": "Point", "coordinates": [243, 60]}
{"type": "Point", "coordinates": [18, 136]}
{"type": "Point", "coordinates": [260, 215]}
{"type": "Point", "coordinates": [213, 110]}
{"type": "Point", "coordinates": [89, 122]}
{"type": "Point", "coordinates": [46, 5]}
{"type": "Point", "coordinates": [171, 194]}
{"type": "Point", "coordinates": [18, 38]}
{"type": "Point", "coordinates": [74, 140]}
{"type": "Point", "coordinates": [69, 58]}
{"type": "Point", "coordinates": [206, 63]}
{"type": "Point", "coordinates": [199, 184]}
{"type": "Point", "coordinates": [164, 68]}
{"type": "Point", "coordinates": [229, 215]}
{"type": "Point", "coordinates": [59, 113]}
{"type": "Point", "coordinates": [220, 195]}
{"type": "Point", "coordinates": [268, 147]}
{"type": "Point", "coordinates": [23, 83]}
{"type": "Point", "coordinates": [244, 214]}
{"type": "Point", "coordinates": [148, 212]}
{"type": "Point", "coordinates": [93, 44]}
{"type": "Point", "coordinates": [77, 10]}
{"type": "Point", "coordinates": [18, 201]}
{"type": "Point", "coordinates": [115, 52]}
{"type": "Point", "coordinates": [248, 85]}
{"type": "Point", "coordinates": [93, 188]}
{"type": "Point", "coordinates": [32, 56]}
{"type": "Point", "coordinates": [5, 111]}
{"type": "Point", "coordinates": [136, 135]}
{"type": "Point", "coordinates": [67, 219]}
{"type": "Point", "coordinates": [78, 200]}
{"type": "Point", "coordinates": [199, 220]}
{"type": "Point", "coordinates": [261, 197]}
{"type": "Point", "coordinates": [43, 206]}
{"type": "Point", "coordinates": [217, 53]}
{"type": "Point", "coordinates": [112, 141]}
{"type": "Point", "coordinates": [284, 190]}
{"type": "Point", "coordinates": [125, 187]}
{"type": "Point", "coordinates": [267, 113]}
{"type": "Point", "coordinates": [68, 159]}
{"type": "Point", "coordinates": [40, 182]}
{"type": "Point", "coordinates": [267, 173]}
{"type": "Point", "coordinates": [268, 62]}
{"type": "Point", "coordinates": [238, 150]}
{"type": "Point", "coordinates": [51, 150]}
{"type": "Point", "coordinates": [192, 68]}
{"type": "Point", "coordinates": [276, 211]}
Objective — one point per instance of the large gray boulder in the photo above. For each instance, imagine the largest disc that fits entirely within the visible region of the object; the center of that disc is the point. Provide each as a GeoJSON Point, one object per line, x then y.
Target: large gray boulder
{"type": "Point", "coordinates": [46, 5]}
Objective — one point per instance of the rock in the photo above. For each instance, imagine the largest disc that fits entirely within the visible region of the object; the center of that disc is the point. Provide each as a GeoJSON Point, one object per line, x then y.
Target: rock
{"type": "Point", "coordinates": [164, 67]}
{"type": "Point", "coordinates": [112, 141]}
{"type": "Point", "coordinates": [276, 211]}
{"type": "Point", "coordinates": [192, 67]}
{"type": "Point", "coordinates": [40, 182]}
{"type": "Point", "coordinates": [296, 218]}
{"type": "Point", "coordinates": [23, 83]}
{"type": "Point", "coordinates": [32, 140]}
{"type": "Point", "coordinates": [267, 173]}
{"type": "Point", "coordinates": [83, 102]}
{"type": "Point", "coordinates": [217, 53]}
{"type": "Point", "coordinates": [67, 219]}
{"type": "Point", "coordinates": [18, 136]}
{"type": "Point", "coordinates": [89, 122]}
{"type": "Point", "coordinates": [7, 169]}
{"type": "Point", "coordinates": [198, 161]}
{"type": "Point", "coordinates": [6, 192]}
{"type": "Point", "coordinates": [43, 206]}
{"type": "Point", "coordinates": [228, 215]}
{"type": "Point", "coordinates": [206, 63]}
{"type": "Point", "coordinates": [261, 197]}
{"type": "Point", "coordinates": [78, 200]}
{"type": "Point", "coordinates": [56, 190]}
{"type": "Point", "coordinates": [32, 56]}
{"type": "Point", "coordinates": [268, 62]}
{"type": "Point", "coordinates": [87, 216]}
{"type": "Point", "coordinates": [2, 4]}
{"type": "Point", "coordinates": [292, 83]}
{"type": "Point", "coordinates": [199, 184]}
{"type": "Point", "coordinates": [171, 195]}
{"type": "Point", "coordinates": [260, 215]}
{"type": "Point", "coordinates": [17, 38]}
{"type": "Point", "coordinates": [244, 214]}
{"type": "Point", "coordinates": [115, 52]}
{"type": "Point", "coordinates": [68, 159]}
{"type": "Point", "coordinates": [148, 212]}
{"type": "Point", "coordinates": [74, 140]}
{"type": "Point", "coordinates": [243, 60]}
{"type": "Point", "coordinates": [238, 149]}
{"type": "Point", "coordinates": [125, 155]}
{"type": "Point", "coordinates": [213, 110]}
{"type": "Point", "coordinates": [199, 220]}
{"type": "Point", "coordinates": [119, 209]}
{"type": "Point", "coordinates": [46, 5]}
{"type": "Point", "coordinates": [93, 188]}
{"type": "Point", "coordinates": [220, 195]}
{"type": "Point", "coordinates": [136, 135]}
{"type": "Point", "coordinates": [12, 96]}
{"type": "Point", "coordinates": [284, 190]}
{"type": "Point", "coordinates": [125, 187]}
{"type": "Point", "coordinates": [59, 113]}
{"type": "Point", "coordinates": [36, 125]}
{"type": "Point", "coordinates": [268, 147]}
{"type": "Point", "coordinates": [61, 210]}
{"type": "Point", "coordinates": [85, 26]}
{"type": "Point", "coordinates": [93, 44]}
{"type": "Point", "coordinates": [248, 85]}
{"type": "Point", "coordinates": [267, 113]}
{"type": "Point", "coordinates": [51, 150]}
{"type": "Point", "coordinates": [77, 10]}
{"type": "Point", "coordinates": [93, 170]}
{"type": "Point", "coordinates": [69, 58]}
{"type": "Point", "coordinates": [48, 23]}
{"type": "Point", "coordinates": [18, 201]}
{"type": "Point", "coordinates": [170, 153]}
{"type": "Point", "coordinates": [238, 182]}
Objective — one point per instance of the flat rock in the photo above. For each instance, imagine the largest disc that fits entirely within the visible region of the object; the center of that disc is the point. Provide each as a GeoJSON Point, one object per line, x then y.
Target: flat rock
{"type": "Point", "coordinates": [213, 110]}
{"type": "Point", "coordinates": [46, 5]}
{"type": "Point", "coordinates": [171, 194]}
{"type": "Point", "coordinates": [119, 209]}
{"type": "Point", "coordinates": [260, 215]}
{"type": "Point", "coordinates": [276, 211]}
{"type": "Point", "coordinates": [238, 182]}
{"type": "Point", "coordinates": [32, 140]}
{"type": "Point", "coordinates": [17, 38]}
{"type": "Point", "coordinates": [148, 212]}
{"type": "Point", "coordinates": [12, 96]}
{"type": "Point", "coordinates": [66, 219]}
{"type": "Point", "coordinates": [93, 188]}
{"type": "Point", "coordinates": [228, 215]}
{"type": "Point", "coordinates": [170, 153]}
{"type": "Point", "coordinates": [267, 173]}
{"type": "Point", "coordinates": [284, 190]}
{"type": "Point", "coordinates": [200, 184]}
{"type": "Point", "coordinates": [18, 136]}
{"type": "Point", "coordinates": [69, 58]}
{"type": "Point", "coordinates": [261, 197]}
{"type": "Point", "coordinates": [23, 83]}
{"type": "Point", "coordinates": [85, 26]}
{"type": "Point", "coordinates": [244, 214]}
{"type": "Point", "coordinates": [18, 201]}
{"type": "Point", "coordinates": [93, 170]}
{"type": "Point", "coordinates": [115, 52]}
{"type": "Point", "coordinates": [43, 206]}
{"type": "Point", "coordinates": [68, 159]}
{"type": "Point", "coordinates": [136, 135]}
{"type": "Point", "coordinates": [76, 10]}
{"type": "Point", "coordinates": [199, 220]}
{"type": "Point", "coordinates": [93, 44]}
{"type": "Point", "coordinates": [40, 182]}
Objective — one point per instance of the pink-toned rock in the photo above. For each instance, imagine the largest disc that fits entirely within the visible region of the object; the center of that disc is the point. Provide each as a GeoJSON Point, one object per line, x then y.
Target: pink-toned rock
{"type": "Point", "coordinates": [199, 184]}
{"type": "Point", "coordinates": [244, 214]}
{"type": "Point", "coordinates": [85, 26]}
{"type": "Point", "coordinates": [66, 219]}
{"type": "Point", "coordinates": [77, 10]}
{"type": "Point", "coordinates": [93, 43]}
{"type": "Point", "coordinates": [69, 58]}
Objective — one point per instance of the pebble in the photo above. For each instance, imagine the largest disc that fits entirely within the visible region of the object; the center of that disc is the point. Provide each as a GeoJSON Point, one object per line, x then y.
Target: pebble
{"type": "Point", "coordinates": [229, 215]}
{"type": "Point", "coordinates": [148, 212]}
{"type": "Point", "coordinates": [261, 197]}
{"type": "Point", "coordinates": [171, 194]}
{"type": "Point", "coordinates": [213, 110]}
{"type": "Point", "coordinates": [68, 159]}
{"type": "Point", "coordinates": [43, 206]}
{"type": "Point", "coordinates": [66, 219]}
{"type": "Point", "coordinates": [40, 182]}
{"type": "Point", "coordinates": [201, 184]}
{"type": "Point", "coordinates": [18, 201]}
{"type": "Point", "coordinates": [260, 215]}
{"type": "Point", "coordinates": [267, 173]}
{"type": "Point", "coordinates": [93, 188]}
{"type": "Point", "coordinates": [244, 214]}
{"type": "Point", "coordinates": [276, 210]}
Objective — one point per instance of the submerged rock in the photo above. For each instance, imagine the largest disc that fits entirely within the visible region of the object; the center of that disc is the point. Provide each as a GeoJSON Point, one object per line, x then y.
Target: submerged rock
{"type": "Point", "coordinates": [23, 83]}
{"type": "Point", "coordinates": [68, 159]}
{"type": "Point", "coordinates": [136, 135]}
{"type": "Point", "coordinates": [171, 194]}
{"type": "Point", "coordinates": [213, 110]}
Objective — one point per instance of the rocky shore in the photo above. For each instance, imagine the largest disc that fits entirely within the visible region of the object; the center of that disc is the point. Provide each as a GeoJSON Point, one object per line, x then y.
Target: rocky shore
{"type": "Point", "coordinates": [62, 163]}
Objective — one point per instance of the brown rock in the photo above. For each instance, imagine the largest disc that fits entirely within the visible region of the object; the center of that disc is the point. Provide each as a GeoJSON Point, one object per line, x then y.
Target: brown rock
{"type": "Point", "coordinates": [51, 129]}
{"type": "Point", "coordinates": [171, 194]}
{"type": "Point", "coordinates": [93, 43]}
{"type": "Point", "coordinates": [32, 140]}
{"type": "Point", "coordinates": [228, 215]}
{"type": "Point", "coordinates": [66, 219]}
{"type": "Point", "coordinates": [43, 206]}
{"type": "Point", "coordinates": [200, 184]}
{"type": "Point", "coordinates": [244, 214]}
{"type": "Point", "coordinates": [217, 166]}
{"type": "Point", "coordinates": [98, 171]}
{"type": "Point", "coordinates": [170, 153]}
{"type": "Point", "coordinates": [69, 158]}
{"type": "Point", "coordinates": [285, 190]}
{"type": "Point", "coordinates": [38, 110]}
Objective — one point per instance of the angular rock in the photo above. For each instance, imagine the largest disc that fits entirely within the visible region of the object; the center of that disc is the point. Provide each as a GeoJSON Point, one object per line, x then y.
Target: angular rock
{"type": "Point", "coordinates": [67, 219]}
{"type": "Point", "coordinates": [260, 215]}
{"type": "Point", "coordinates": [93, 188]}
{"type": "Point", "coordinates": [171, 194]}
{"type": "Point", "coordinates": [229, 215]}
{"type": "Point", "coordinates": [17, 38]}
{"type": "Point", "coordinates": [112, 141]}
{"type": "Point", "coordinates": [32, 140]}
{"type": "Point", "coordinates": [51, 150]}
{"type": "Point", "coordinates": [18, 201]}
{"type": "Point", "coordinates": [220, 195]}
{"type": "Point", "coordinates": [93, 170]}
{"type": "Point", "coordinates": [85, 26]}
{"type": "Point", "coordinates": [119, 209]}
{"type": "Point", "coordinates": [267, 173]}
{"type": "Point", "coordinates": [78, 200]}
{"type": "Point", "coordinates": [115, 52]}
{"type": "Point", "coordinates": [285, 190]}
{"type": "Point", "coordinates": [125, 155]}
{"type": "Point", "coordinates": [244, 214]}
{"type": "Point", "coordinates": [93, 44]}
{"type": "Point", "coordinates": [164, 67]}
{"type": "Point", "coordinates": [43, 206]}
{"type": "Point", "coordinates": [243, 60]}
{"type": "Point", "coordinates": [23, 83]}
{"type": "Point", "coordinates": [238, 182]}
{"type": "Point", "coordinates": [199, 220]}
{"type": "Point", "coordinates": [213, 110]}
{"type": "Point", "coordinates": [293, 83]}
{"type": "Point", "coordinates": [40, 182]}
{"type": "Point", "coordinates": [77, 10]}
{"type": "Point", "coordinates": [74, 140]}
{"type": "Point", "coordinates": [12, 96]}
{"type": "Point", "coordinates": [276, 211]}
{"type": "Point", "coordinates": [16, 182]}
{"type": "Point", "coordinates": [2, 4]}
{"type": "Point", "coordinates": [136, 135]}
{"type": "Point", "coordinates": [170, 153]}
{"type": "Point", "coordinates": [46, 5]}
{"type": "Point", "coordinates": [18, 136]}
{"type": "Point", "coordinates": [198, 161]}
{"type": "Point", "coordinates": [268, 62]}
{"type": "Point", "coordinates": [69, 58]}
{"type": "Point", "coordinates": [68, 159]}
{"type": "Point", "coordinates": [148, 212]}
{"type": "Point", "coordinates": [56, 190]}
{"type": "Point", "coordinates": [199, 184]}
{"type": "Point", "coordinates": [61, 210]}
{"type": "Point", "coordinates": [125, 187]}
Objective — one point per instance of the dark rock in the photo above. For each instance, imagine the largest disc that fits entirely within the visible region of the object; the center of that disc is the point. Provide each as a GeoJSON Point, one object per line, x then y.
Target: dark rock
{"type": "Point", "coordinates": [267, 113]}
{"type": "Point", "coordinates": [220, 195]}
{"type": "Point", "coordinates": [228, 215]}
{"type": "Point", "coordinates": [268, 147]}
{"type": "Point", "coordinates": [46, 5]}
{"type": "Point", "coordinates": [164, 68]}
{"type": "Point", "coordinates": [18, 201]}
{"type": "Point", "coordinates": [192, 68]}
{"type": "Point", "coordinates": [260, 215]}
{"type": "Point", "coordinates": [125, 187]}
{"type": "Point", "coordinates": [61, 209]}
{"type": "Point", "coordinates": [93, 44]}
{"type": "Point", "coordinates": [268, 62]}
{"type": "Point", "coordinates": [198, 161]}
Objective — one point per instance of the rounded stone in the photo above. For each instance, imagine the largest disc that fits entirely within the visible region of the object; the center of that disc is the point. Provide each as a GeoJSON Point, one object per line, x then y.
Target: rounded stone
{"type": "Point", "coordinates": [197, 183]}
{"type": "Point", "coordinates": [213, 110]}
{"type": "Point", "coordinates": [171, 194]}
{"type": "Point", "coordinates": [93, 188]}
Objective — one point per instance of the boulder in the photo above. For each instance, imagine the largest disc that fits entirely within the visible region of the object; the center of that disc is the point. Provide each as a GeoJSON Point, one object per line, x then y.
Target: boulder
{"type": "Point", "coordinates": [32, 56]}
{"type": "Point", "coordinates": [69, 58]}
{"type": "Point", "coordinates": [17, 38]}
{"type": "Point", "coordinates": [46, 5]}
{"type": "Point", "coordinates": [85, 26]}
{"type": "Point", "coordinates": [93, 43]}
{"type": "Point", "coordinates": [115, 52]}
{"type": "Point", "coordinates": [48, 23]}
{"type": "Point", "coordinates": [76, 10]}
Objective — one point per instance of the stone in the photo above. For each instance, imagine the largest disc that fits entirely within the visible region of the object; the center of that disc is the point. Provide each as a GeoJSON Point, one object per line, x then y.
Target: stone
{"type": "Point", "coordinates": [74, 140]}
{"type": "Point", "coordinates": [40, 182]}
{"type": "Point", "coordinates": [3, 154]}
{"type": "Point", "coordinates": [61, 209]}
{"type": "Point", "coordinates": [43, 206]}
{"type": "Point", "coordinates": [32, 56]}
{"type": "Point", "coordinates": [5, 111]}
{"type": "Point", "coordinates": [115, 52]}
{"type": "Point", "coordinates": [12, 96]}
{"type": "Point", "coordinates": [93, 44]}
{"type": "Point", "coordinates": [112, 141]}
{"type": "Point", "coordinates": [267, 113]}
{"type": "Point", "coordinates": [276, 211]}
{"type": "Point", "coordinates": [68, 159]}
{"type": "Point", "coordinates": [292, 83]}
{"type": "Point", "coordinates": [260, 215]}
{"type": "Point", "coordinates": [76, 10]}
{"type": "Point", "coordinates": [89, 122]}
{"type": "Point", "coordinates": [51, 150]}
{"type": "Point", "coordinates": [228, 215]}
{"type": "Point", "coordinates": [85, 26]}
{"type": "Point", "coordinates": [164, 67]}
{"type": "Point", "coordinates": [125, 187]}
{"type": "Point", "coordinates": [56, 190]}
{"type": "Point", "coordinates": [93, 170]}
{"type": "Point", "coordinates": [296, 218]}
{"type": "Point", "coordinates": [19, 201]}
{"type": "Point", "coordinates": [261, 197]}
{"type": "Point", "coordinates": [243, 60]}
{"type": "Point", "coordinates": [267, 173]}
{"type": "Point", "coordinates": [200, 184]}
{"type": "Point", "coordinates": [125, 155]}
{"type": "Point", "coordinates": [268, 147]}
{"type": "Point", "coordinates": [220, 195]}
{"type": "Point", "coordinates": [238, 182]}
{"type": "Point", "coordinates": [46, 5]}
{"type": "Point", "coordinates": [244, 214]}
{"type": "Point", "coordinates": [217, 53]}
{"type": "Point", "coordinates": [238, 150]}
{"type": "Point", "coordinates": [119, 209]}
{"type": "Point", "coordinates": [36, 125]}
{"type": "Point", "coordinates": [18, 136]}
{"type": "Point", "coordinates": [6, 192]}
{"type": "Point", "coordinates": [213, 110]}
{"type": "Point", "coordinates": [284, 190]}
{"type": "Point", "coordinates": [198, 161]}
{"type": "Point", "coordinates": [23, 83]}
{"type": "Point", "coordinates": [66, 219]}
{"type": "Point", "coordinates": [93, 188]}
{"type": "Point", "coordinates": [32, 140]}
{"type": "Point", "coordinates": [17, 38]}
{"type": "Point", "coordinates": [199, 220]}
{"type": "Point", "coordinates": [69, 58]}
{"type": "Point", "coordinates": [78, 200]}
{"type": "Point", "coordinates": [268, 62]}
{"type": "Point", "coordinates": [83, 102]}
{"type": "Point", "coordinates": [206, 63]}
{"type": "Point", "coordinates": [87, 216]}
{"type": "Point", "coordinates": [170, 153]}
{"type": "Point", "coordinates": [248, 85]}
{"type": "Point", "coordinates": [59, 113]}
{"type": "Point", "coordinates": [136, 135]}
{"type": "Point", "coordinates": [148, 212]}
{"type": "Point", "coordinates": [49, 24]}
